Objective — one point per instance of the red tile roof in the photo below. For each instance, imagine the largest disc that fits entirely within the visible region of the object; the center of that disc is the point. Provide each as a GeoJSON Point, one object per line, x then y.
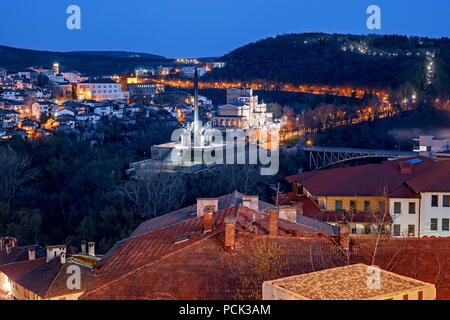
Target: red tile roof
{"type": "Point", "coordinates": [16, 269]}
{"type": "Point", "coordinates": [180, 215]}
{"type": "Point", "coordinates": [435, 179]}
{"type": "Point", "coordinates": [425, 259]}
{"type": "Point", "coordinates": [204, 270]}
{"type": "Point", "coordinates": [16, 254]}
{"type": "Point", "coordinates": [49, 279]}
{"type": "Point", "coordinates": [148, 251]}
{"type": "Point", "coordinates": [366, 180]}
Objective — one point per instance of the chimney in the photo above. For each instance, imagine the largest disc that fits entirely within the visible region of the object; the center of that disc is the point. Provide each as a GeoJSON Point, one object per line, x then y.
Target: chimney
{"type": "Point", "coordinates": [2, 244]}
{"type": "Point", "coordinates": [13, 241]}
{"type": "Point", "coordinates": [31, 253]}
{"type": "Point", "coordinates": [83, 247]}
{"type": "Point", "coordinates": [299, 207]}
{"type": "Point", "coordinates": [91, 248]}
{"type": "Point", "coordinates": [273, 222]}
{"type": "Point", "coordinates": [208, 219]}
{"type": "Point", "coordinates": [344, 236]}
{"type": "Point", "coordinates": [203, 203]}
{"type": "Point", "coordinates": [62, 257]}
{"type": "Point", "coordinates": [406, 168]}
{"type": "Point", "coordinates": [55, 251]}
{"type": "Point", "coordinates": [289, 213]}
{"type": "Point", "coordinates": [230, 233]}
{"type": "Point", "coordinates": [251, 202]}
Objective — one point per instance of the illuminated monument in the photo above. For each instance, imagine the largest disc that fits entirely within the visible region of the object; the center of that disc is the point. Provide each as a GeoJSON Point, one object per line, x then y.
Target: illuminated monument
{"type": "Point", "coordinates": [248, 127]}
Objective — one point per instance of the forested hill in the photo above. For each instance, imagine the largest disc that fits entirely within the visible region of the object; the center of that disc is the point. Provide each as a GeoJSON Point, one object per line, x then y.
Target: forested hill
{"type": "Point", "coordinates": [321, 59]}
{"type": "Point", "coordinates": [87, 62]}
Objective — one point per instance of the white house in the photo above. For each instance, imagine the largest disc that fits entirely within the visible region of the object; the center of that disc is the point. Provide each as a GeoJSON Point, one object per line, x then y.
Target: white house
{"type": "Point", "coordinates": [100, 89]}
{"type": "Point", "coordinates": [65, 112]}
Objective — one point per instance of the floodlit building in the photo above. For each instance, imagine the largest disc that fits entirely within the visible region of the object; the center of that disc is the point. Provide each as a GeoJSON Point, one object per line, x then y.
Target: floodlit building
{"type": "Point", "coordinates": [100, 89]}
{"type": "Point", "coordinates": [432, 147]}
{"type": "Point", "coordinates": [241, 111]}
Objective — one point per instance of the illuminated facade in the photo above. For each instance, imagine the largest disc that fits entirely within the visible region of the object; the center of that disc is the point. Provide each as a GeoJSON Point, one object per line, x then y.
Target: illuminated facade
{"type": "Point", "coordinates": [242, 111]}
{"type": "Point", "coordinates": [100, 89]}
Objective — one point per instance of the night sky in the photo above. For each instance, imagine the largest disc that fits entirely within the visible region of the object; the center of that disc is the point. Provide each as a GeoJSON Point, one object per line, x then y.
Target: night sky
{"type": "Point", "coordinates": [203, 28]}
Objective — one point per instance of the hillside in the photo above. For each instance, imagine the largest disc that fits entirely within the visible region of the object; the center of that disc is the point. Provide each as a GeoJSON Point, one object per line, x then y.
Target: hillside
{"type": "Point", "coordinates": [88, 62]}
{"type": "Point", "coordinates": [397, 62]}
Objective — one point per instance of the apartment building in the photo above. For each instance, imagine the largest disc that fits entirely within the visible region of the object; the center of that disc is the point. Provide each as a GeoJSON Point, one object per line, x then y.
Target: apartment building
{"type": "Point", "coordinates": [100, 89]}
{"type": "Point", "coordinates": [410, 196]}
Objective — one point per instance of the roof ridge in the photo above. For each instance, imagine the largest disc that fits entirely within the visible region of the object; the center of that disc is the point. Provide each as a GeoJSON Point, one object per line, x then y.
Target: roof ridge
{"type": "Point", "coordinates": [54, 279]}
{"type": "Point", "coordinates": [154, 261]}
{"type": "Point", "coordinates": [345, 178]}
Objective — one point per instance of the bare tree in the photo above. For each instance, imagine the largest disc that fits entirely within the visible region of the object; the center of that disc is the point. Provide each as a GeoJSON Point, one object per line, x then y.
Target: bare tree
{"type": "Point", "coordinates": [155, 192]}
{"type": "Point", "coordinates": [242, 177]}
{"type": "Point", "coordinates": [264, 263]}
{"type": "Point", "coordinates": [14, 173]}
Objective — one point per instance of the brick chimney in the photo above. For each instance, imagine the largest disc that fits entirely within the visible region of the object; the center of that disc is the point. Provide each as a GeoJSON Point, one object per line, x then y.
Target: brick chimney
{"type": "Point", "coordinates": [203, 202]}
{"type": "Point", "coordinates": [344, 236]}
{"type": "Point", "coordinates": [251, 202]}
{"type": "Point", "coordinates": [288, 213]}
{"type": "Point", "coordinates": [55, 251]}
{"type": "Point", "coordinates": [406, 168]}
{"type": "Point", "coordinates": [31, 253]}
{"type": "Point", "coordinates": [273, 222]}
{"type": "Point", "coordinates": [299, 207]}
{"type": "Point", "coordinates": [2, 244]}
{"type": "Point", "coordinates": [91, 248]}
{"type": "Point", "coordinates": [230, 233]}
{"type": "Point", "coordinates": [83, 247]}
{"type": "Point", "coordinates": [208, 219]}
{"type": "Point", "coordinates": [62, 258]}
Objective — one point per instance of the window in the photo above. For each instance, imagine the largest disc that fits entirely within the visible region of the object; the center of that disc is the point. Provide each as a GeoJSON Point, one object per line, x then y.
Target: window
{"type": "Point", "coordinates": [382, 206]}
{"type": "Point", "coordinates": [434, 201]}
{"type": "Point", "coordinates": [446, 201]}
{"type": "Point", "coordinates": [338, 205]}
{"type": "Point", "coordinates": [396, 230]}
{"type": "Point", "coordinates": [366, 206]}
{"type": "Point", "coordinates": [397, 207]}
{"type": "Point", "coordinates": [352, 205]}
{"type": "Point", "coordinates": [445, 226]}
{"type": "Point", "coordinates": [434, 224]}
{"type": "Point", "coordinates": [420, 295]}
{"type": "Point", "coordinates": [367, 229]}
{"type": "Point", "coordinates": [412, 208]}
{"type": "Point", "coordinates": [411, 230]}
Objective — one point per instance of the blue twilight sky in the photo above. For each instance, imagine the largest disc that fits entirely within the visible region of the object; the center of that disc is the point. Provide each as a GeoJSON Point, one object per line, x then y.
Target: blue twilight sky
{"type": "Point", "coordinates": [200, 28]}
